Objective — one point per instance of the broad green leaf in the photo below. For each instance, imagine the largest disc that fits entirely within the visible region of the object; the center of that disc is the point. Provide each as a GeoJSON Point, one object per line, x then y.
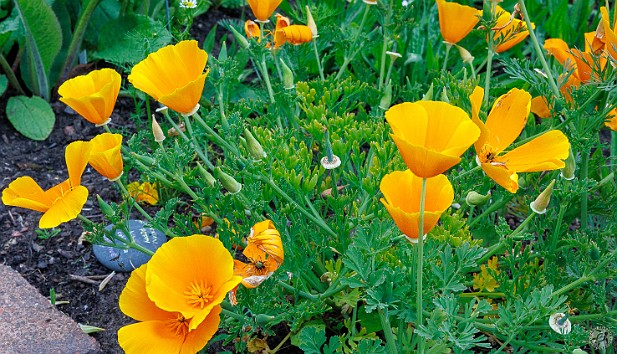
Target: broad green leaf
{"type": "Point", "coordinates": [129, 39]}
{"type": "Point", "coordinates": [43, 42]}
{"type": "Point", "coordinates": [31, 116]}
{"type": "Point", "coordinates": [310, 338]}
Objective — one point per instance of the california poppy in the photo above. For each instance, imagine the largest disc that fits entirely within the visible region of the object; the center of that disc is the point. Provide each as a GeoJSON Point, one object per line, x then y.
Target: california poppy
{"type": "Point", "coordinates": [510, 31]}
{"type": "Point", "coordinates": [61, 203]}
{"type": "Point", "coordinates": [106, 157]}
{"type": "Point", "coordinates": [431, 136]}
{"type": "Point", "coordinates": [160, 331]}
{"type": "Point", "coordinates": [456, 20]}
{"type": "Point", "coordinates": [573, 59]}
{"type": "Point", "coordinates": [294, 34]}
{"type": "Point", "coordinates": [504, 124]}
{"type": "Point", "coordinates": [93, 96]}
{"type": "Point", "coordinates": [610, 35]}
{"type": "Point", "coordinates": [266, 237]}
{"type": "Point", "coordinates": [143, 192]}
{"type": "Point", "coordinates": [190, 275]}
{"type": "Point", "coordinates": [251, 29]}
{"type": "Point", "coordinates": [263, 9]}
{"type": "Point", "coordinates": [402, 191]}
{"type": "Point", "coordinates": [174, 75]}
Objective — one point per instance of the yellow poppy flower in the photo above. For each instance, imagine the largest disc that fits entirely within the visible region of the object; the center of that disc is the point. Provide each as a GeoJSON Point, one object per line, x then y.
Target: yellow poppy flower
{"type": "Point", "coordinates": [431, 135]}
{"type": "Point", "coordinates": [266, 237]}
{"type": "Point", "coordinates": [512, 30]}
{"type": "Point", "coordinates": [143, 192]}
{"type": "Point", "coordinates": [456, 20]}
{"type": "Point", "coordinates": [106, 157]}
{"type": "Point", "coordinates": [539, 107]}
{"type": "Point", "coordinates": [190, 275]}
{"type": "Point", "coordinates": [159, 331]}
{"type": "Point", "coordinates": [59, 204]}
{"type": "Point", "coordinates": [611, 121]}
{"type": "Point", "coordinates": [504, 124]}
{"type": "Point", "coordinates": [263, 9]}
{"type": "Point", "coordinates": [174, 75]}
{"type": "Point", "coordinates": [610, 35]}
{"type": "Point", "coordinates": [402, 191]}
{"type": "Point", "coordinates": [93, 96]}
{"type": "Point", "coordinates": [251, 29]}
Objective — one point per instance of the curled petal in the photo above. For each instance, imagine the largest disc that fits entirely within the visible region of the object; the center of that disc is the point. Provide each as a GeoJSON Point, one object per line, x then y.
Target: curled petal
{"type": "Point", "coordinates": [456, 20]}
{"type": "Point", "coordinates": [507, 118]}
{"type": "Point", "coordinates": [24, 192]}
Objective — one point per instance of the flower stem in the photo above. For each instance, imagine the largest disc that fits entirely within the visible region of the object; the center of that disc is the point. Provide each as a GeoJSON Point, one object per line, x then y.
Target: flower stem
{"type": "Point", "coordinates": [319, 66]}
{"type": "Point", "coordinates": [497, 205]}
{"type": "Point", "coordinates": [6, 67]}
{"type": "Point", "coordinates": [445, 59]}
{"type": "Point", "coordinates": [191, 139]}
{"type": "Point", "coordinates": [387, 331]}
{"type": "Point", "coordinates": [539, 53]}
{"type": "Point", "coordinates": [584, 195]}
{"type": "Point", "coordinates": [232, 314]}
{"type": "Point", "coordinates": [420, 261]}
{"type": "Point", "coordinates": [218, 138]}
{"type": "Point", "coordinates": [132, 200]}
{"type": "Point", "coordinates": [489, 57]}
{"type": "Point", "coordinates": [348, 59]}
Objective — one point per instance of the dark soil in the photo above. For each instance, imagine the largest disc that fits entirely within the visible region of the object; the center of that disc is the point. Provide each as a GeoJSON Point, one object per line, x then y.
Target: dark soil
{"type": "Point", "coordinates": [53, 263]}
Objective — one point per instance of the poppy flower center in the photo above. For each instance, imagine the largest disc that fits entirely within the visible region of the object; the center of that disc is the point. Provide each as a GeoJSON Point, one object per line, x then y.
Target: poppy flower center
{"type": "Point", "coordinates": [179, 326]}
{"type": "Point", "coordinates": [198, 294]}
{"type": "Point", "coordinates": [487, 154]}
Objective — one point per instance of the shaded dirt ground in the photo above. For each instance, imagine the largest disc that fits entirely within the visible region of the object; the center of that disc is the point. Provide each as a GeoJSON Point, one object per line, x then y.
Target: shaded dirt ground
{"type": "Point", "coordinates": [54, 263]}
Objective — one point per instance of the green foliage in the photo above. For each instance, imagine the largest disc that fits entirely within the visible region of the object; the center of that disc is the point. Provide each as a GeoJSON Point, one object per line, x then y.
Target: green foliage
{"type": "Point", "coordinates": [31, 116]}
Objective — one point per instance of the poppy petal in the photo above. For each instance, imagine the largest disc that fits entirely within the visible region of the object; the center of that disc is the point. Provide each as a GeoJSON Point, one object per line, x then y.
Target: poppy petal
{"type": "Point", "coordinates": [456, 20]}
{"type": "Point", "coordinates": [76, 155]}
{"type": "Point", "coordinates": [65, 208]}
{"type": "Point", "coordinates": [135, 303]}
{"type": "Point", "coordinates": [543, 153]}
{"type": "Point", "coordinates": [506, 178]}
{"type": "Point", "coordinates": [24, 192]}
{"type": "Point", "coordinates": [423, 162]}
{"type": "Point", "coordinates": [507, 118]}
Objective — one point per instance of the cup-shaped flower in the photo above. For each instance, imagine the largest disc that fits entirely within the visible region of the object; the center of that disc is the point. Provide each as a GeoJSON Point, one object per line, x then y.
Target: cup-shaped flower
{"type": "Point", "coordinates": [511, 31]}
{"type": "Point", "coordinates": [93, 96]}
{"type": "Point", "coordinates": [431, 135]}
{"type": "Point", "coordinates": [191, 275]}
{"type": "Point", "coordinates": [59, 204]}
{"type": "Point", "coordinates": [160, 331]}
{"type": "Point", "coordinates": [504, 124]}
{"type": "Point", "coordinates": [174, 75]}
{"type": "Point", "coordinates": [251, 29]}
{"type": "Point", "coordinates": [402, 191]}
{"type": "Point", "coordinates": [106, 157]}
{"type": "Point", "coordinates": [263, 9]}
{"type": "Point", "coordinates": [456, 20]}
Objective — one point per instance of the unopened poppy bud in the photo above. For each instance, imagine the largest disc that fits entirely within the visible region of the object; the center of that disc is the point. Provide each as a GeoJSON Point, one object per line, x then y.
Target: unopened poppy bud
{"type": "Point", "coordinates": [106, 209]}
{"type": "Point", "coordinates": [560, 323]}
{"type": "Point", "coordinates": [594, 251]}
{"type": "Point", "coordinates": [428, 96]}
{"type": "Point", "coordinates": [539, 205]}
{"type": "Point", "coordinates": [444, 95]}
{"type": "Point", "coordinates": [465, 55]}
{"type": "Point", "coordinates": [263, 319]}
{"type": "Point", "coordinates": [474, 198]}
{"type": "Point", "coordinates": [228, 181]}
{"type": "Point", "coordinates": [146, 160]}
{"type": "Point", "coordinates": [387, 97]}
{"type": "Point", "coordinates": [310, 22]}
{"type": "Point", "coordinates": [244, 43]}
{"type": "Point", "coordinates": [157, 131]}
{"type": "Point", "coordinates": [206, 175]}
{"type": "Point", "coordinates": [568, 171]}
{"type": "Point", "coordinates": [288, 76]}
{"type": "Point", "coordinates": [253, 146]}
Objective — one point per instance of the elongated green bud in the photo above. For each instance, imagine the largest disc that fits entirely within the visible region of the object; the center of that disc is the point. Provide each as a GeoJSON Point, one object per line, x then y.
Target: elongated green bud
{"type": "Point", "coordinates": [106, 209]}
{"type": "Point", "coordinates": [386, 99]}
{"type": "Point", "coordinates": [244, 43]}
{"type": "Point", "coordinates": [206, 175]}
{"type": "Point", "coordinates": [428, 96]}
{"type": "Point", "coordinates": [146, 160]}
{"type": "Point", "coordinates": [157, 131]}
{"type": "Point", "coordinates": [227, 181]}
{"type": "Point", "coordinates": [310, 22]}
{"type": "Point", "coordinates": [568, 171]}
{"type": "Point", "coordinates": [288, 76]}
{"type": "Point", "coordinates": [474, 198]}
{"type": "Point", "coordinates": [539, 205]}
{"type": "Point", "coordinates": [253, 146]}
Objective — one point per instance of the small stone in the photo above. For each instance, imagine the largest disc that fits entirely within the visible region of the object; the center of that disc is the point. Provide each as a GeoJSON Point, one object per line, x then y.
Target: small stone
{"type": "Point", "coordinates": [125, 259]}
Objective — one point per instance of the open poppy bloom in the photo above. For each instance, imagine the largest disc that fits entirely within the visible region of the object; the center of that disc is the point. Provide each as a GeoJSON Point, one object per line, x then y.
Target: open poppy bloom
{"type": "Point", "coordinates": [266, 238]}
{"type": "Point", "coordinates": [59, 204]}
{"type": "Point", "coordinates": [173, 75]}
{"type": "Point", "coordinates": [263, 9]}
{"type": "Point", "coordinates": [431, 136]}
{"type": "Point", "coordinates": [572, 59]}
{"type": "Point", "coordinates": [106, 157]}
{"type": "Point", "coordinates": [456, 20]}
{"type": "Point", "coordinates": [160, 331]}
{"type": "Point", "coordinates": [191, 275]}
{"type": "Point", "coordinates": [504, 124]}
{"type": "Point", "coordinates": [402, 191]}
{"type": "Point", "coordinates": [512, 30]}
{"type": "Point", "coordinates": [93, 96]}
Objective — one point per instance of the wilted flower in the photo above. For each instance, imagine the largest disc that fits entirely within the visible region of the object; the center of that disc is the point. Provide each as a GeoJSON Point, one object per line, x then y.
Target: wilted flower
{"type": "Point", "coordinates": [266, 238]}
{"type": "Point", "coordinates": [60, 203]}
{"type": "Point", "coordinates": [456, 20]}
{"type": "Point", "coordinates": [174, 75]}
{"type": "Point", "coordinates": [190, 275]}
{"type": "Point", "coordinates": [159, 330]}
{"type": "Point", "coordinates": [431, 135]}
{"type": "Point", "coordinates": [105, 156]}
{"type": "Point", "coordinates": [560, 323]}
{"type": "Point", "coordinates": [263, 9]}
{"type": "Point", "coordinates": [402, 191]}
{"type": "Point", "coordinates": [504, 124]}
{"type": "Point", "coordinates": [93, 96]}
{"type": "Point", "coordinates": [610, 35]}
{"type": "Point", "coordinates": [144, 192]}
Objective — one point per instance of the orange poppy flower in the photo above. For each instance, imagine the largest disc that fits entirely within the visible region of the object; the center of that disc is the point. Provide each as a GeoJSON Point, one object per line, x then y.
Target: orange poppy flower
{"type": "Point", "coordinates": [251, 29]}
{"type": "Point", "coordinates": [59, 204]}
{"type": "Point", "coordinates": [173, 75]}
{"type": "Point", "coordinates": [190, 275]}
{"type": "Point", "coordinates": [143, 192]}
{"type": "Point", "coordinates": [160, 331]}
{"type": "Point", "coordinates": [431, 136]}
{"type": "Point", "coordinates": [294, 34]}
{"type": "Point", "coordinates": [504, 124]}
{"type": "Point", "coordinates": [93, 96]}
{"type": "Point", "coordinates": [281, 22]}
{"type": "Point", "coordinates": [106, 157]}
{"type": "Point", "coordinates": [456, 20]}
{"type": "Point", "coordinates": [263, 9]}
{"type": "Point", "coordinates": [512, 30]}
{"type": "Point", "coordinates": [539, 107]}
{"type": "Point", "coordinates": [402, 191]}
{"type": "Point", "coordinates": [266, 238]}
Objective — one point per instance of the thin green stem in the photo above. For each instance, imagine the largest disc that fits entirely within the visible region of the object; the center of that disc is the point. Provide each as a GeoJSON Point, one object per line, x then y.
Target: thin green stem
{"type": "Point", "coordinates": [613, 155]}
{"type": "Point", "coordinates": [319, 66]}
{"type": "Point", "coordinates": [445, 59]}
{"type": "Point", "coordinates": [489, 57]}
{"type": "Point", "coordinates": [133, 201]}
{"type": "Point", "coordinates": [584, 195]}
{"type": "Point", "coordinates": [348, 59]}
{"type": "Point", "coordinates": [590, 276]}
{"type": "Point", "coordinates": [384, 48]}
{"type": "Point", "coordinates": [387, 331]}
{"type": "Point", "coordinates": [234, 315]}
{"type": "Point", "coordinates": [483, 294]}
{"type": "Point", "coordinates": [299, 292]}
{"type": "Point", "coordinates": [78, 36]}
{"type": "Point", "coordinates": [193, 141]}
{"type": "Point", "coordinates": [420, 265]}
{"type": "Point", "coordinates": [6, 67]}
{"type": "Point", "coordinates": [497, 205]}
{"type": "Point", "coordinates": [539, 53]}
